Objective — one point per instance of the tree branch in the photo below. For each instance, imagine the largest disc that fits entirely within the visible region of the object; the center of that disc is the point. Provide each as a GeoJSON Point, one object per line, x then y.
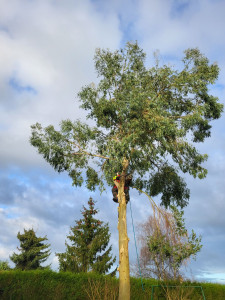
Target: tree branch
{"type": "Point", "coordinates": [83, 152]}
{"type": "Point", "coordinates": [90, 154]}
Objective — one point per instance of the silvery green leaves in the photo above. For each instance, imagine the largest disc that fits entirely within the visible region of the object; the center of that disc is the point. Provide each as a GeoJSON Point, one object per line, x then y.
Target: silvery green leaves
{"type": "Point", "coordinates": [67, 149]}
{"type": "Point", "coordinates": [151, 117]}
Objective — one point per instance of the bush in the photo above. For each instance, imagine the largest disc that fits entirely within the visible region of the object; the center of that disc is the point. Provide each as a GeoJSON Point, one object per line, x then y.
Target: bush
{"type": "Point", "coordinates": [42, 284]}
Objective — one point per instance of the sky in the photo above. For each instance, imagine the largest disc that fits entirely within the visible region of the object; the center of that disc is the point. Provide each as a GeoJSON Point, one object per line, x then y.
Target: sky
{"type": "Point", "coordinates": [46, 56]}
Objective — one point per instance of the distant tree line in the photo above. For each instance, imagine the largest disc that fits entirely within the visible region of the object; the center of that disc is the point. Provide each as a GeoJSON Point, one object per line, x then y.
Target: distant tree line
{"type": "Point", "coordinates": [165, 246]}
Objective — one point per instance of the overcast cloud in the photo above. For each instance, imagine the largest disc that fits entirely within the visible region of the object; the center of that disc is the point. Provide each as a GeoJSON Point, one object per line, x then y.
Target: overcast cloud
{"type": "Point", "coordinates": [46, 56]}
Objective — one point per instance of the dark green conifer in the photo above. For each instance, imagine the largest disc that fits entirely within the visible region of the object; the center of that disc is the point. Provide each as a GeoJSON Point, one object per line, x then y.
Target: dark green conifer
{"type": "Point", "coordinates": [33, 251]}
{"type": "Point", "coordinates": [89, 239]}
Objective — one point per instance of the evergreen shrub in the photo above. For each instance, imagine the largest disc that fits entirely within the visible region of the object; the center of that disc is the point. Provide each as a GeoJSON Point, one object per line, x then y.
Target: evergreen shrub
{"type": "Point", "coordinates": [45, 284]}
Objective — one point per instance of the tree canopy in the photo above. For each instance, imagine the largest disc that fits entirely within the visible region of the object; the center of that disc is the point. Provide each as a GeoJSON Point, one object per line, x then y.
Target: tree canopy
{"type": "Point", "coordinates": [89, 240]}
{"type": "Point", "coordinates": [33, 251]}
{"type": "Point", "coordinates": [149, 118]}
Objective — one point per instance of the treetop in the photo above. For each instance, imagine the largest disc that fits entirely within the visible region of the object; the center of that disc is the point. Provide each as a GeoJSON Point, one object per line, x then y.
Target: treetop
{"type": "Point", "coordinates": [148, 119]}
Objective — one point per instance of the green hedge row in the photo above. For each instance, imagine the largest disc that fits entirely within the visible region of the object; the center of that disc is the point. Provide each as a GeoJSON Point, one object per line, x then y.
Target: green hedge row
{"type": "Point", "coordinates": [35, 285]}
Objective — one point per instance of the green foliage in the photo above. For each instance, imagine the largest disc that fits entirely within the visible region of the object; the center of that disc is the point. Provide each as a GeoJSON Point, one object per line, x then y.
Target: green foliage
{"type": "Point", "coordinates": [151, 117]}
{"type": "Point", "coordinates": [4, 265]}
{"type": "Point", "coordinates": [172, 249]}
{"type": "Point", "coordinates": [39, 284]}
{"type": "Point", "coordinates": [172, 187]}
{"type": "Point", "coordinates": [48, 285]}
{"type": "Point", "coordinates": [33, 251]}
{"type": "Point", "coordinates": [166, 245]}
{"type": "Point", "coordinates": [89, 239]}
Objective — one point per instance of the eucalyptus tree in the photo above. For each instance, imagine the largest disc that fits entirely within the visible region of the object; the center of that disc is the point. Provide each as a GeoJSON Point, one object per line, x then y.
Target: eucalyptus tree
{"type": "Point", "coordinates": [147, 121]}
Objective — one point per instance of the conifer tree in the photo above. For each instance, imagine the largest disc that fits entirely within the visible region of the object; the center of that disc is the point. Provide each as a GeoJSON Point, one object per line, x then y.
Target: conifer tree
{"type": "Point", "coordinates": [33, 251]}
{"type": "Point", "coordinates": [4, 265]}
{"type": "Point", "coordinates": [147, 123]}
{"type": "Point", "coordinates": [89, 240]}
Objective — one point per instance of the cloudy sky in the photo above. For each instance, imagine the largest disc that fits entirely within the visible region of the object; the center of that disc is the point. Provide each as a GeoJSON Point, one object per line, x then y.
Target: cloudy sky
{"type": "Point", "coordinates": [46, 56]}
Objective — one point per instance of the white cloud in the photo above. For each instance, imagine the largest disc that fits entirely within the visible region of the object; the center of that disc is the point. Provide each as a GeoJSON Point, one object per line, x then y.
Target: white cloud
{"type": "Point", "coordinates": [169, 29]}
{"type": "Point", "coordinates": [52, 54]}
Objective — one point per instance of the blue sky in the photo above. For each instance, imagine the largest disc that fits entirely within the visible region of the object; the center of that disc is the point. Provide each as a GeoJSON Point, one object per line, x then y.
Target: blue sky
{"type": "Point", "coordinates": [46, 56]}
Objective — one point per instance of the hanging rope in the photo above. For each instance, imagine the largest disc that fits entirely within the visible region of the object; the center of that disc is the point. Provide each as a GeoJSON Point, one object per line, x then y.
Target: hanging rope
{"type": "Point", "coordinates": [136, 247]}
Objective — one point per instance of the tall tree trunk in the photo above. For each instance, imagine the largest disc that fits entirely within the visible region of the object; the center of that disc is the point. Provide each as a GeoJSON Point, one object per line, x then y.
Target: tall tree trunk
{"type": "Point", "coordinates": [124, 270]}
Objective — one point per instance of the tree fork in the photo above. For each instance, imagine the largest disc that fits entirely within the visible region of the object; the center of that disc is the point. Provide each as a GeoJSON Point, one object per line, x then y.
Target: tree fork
{"type": "Point", "coordinates": [124, 269]}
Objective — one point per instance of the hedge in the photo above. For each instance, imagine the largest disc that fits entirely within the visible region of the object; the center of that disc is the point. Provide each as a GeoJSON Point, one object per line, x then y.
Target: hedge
{"type": "Point", "coordinates": [39, 284]}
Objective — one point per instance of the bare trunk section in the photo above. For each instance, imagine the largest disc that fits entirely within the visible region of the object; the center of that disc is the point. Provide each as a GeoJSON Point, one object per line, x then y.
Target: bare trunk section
{"type": "Point", "coordinates": [124, 270]}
